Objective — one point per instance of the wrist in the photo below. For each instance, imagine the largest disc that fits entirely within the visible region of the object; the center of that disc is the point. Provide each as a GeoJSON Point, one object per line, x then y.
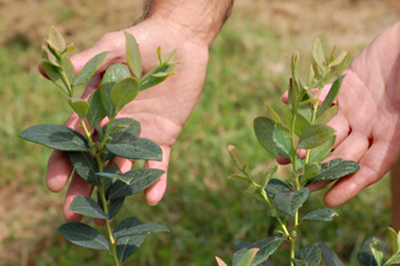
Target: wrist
{"type": "Point", "coordinates": [197, 21]}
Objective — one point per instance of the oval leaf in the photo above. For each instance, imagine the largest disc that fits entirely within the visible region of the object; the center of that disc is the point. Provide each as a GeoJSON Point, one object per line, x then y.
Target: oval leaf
{"type": "Point", "coordinates": [335, 169]}
{"type": "Point", "coordinates": [96, 111]}
{"type": "Point", "coordinates": [55, 137]}
{"type": "Point", "coordinates": [290, 202]}
{"type": "Point", "coordinates": [143, 178]}
{"type": "Point", "coordinates": [80, 107]}
{"type": "Point", "coordinates": [113, 75]}
{"type": "Point", "coordinates": [136, 149]}
{"type": "Point", "coordinates": [331, 97]}
{"type": "Point", "coordinates": [272, 136]}
{"type": "Point", "coordinates": [141, 229]}
{"type": "Point", "coordinates": [130, 130]}
{"type": "Point", "coordinates": [133, 55]}
{"type": "Point", "coordinates": [301, 122]}
{"type": "Point", "coordinates": [56, 39]}
{"type": "Point", "coordinates": [128, 245]}
{"type": "Point", "coordinates": [330, 258]}
{"type": "Point", "coordinates": [124, 92]}
{"type": "Point", "coordinates": [321, 215]}
{"type": "Point", "coordinates": [54, 74]}
{"type": "Point", "coordinates": [372, 252]}
{"type": "Point", "coordinates": [315, 135]}
{"type": "Point", "coordinates": [276, 186]}
{"type": "Point", "coordinates": [323, 151]}
{"type": "Point", "coordinates": [85, 166]}
{"type": "Point", "coordinates": [265, 248]}
{"type": "Point", "coordinates": [83, 235]}
{"type": "Point", "coordinates": [311, 255]}
{"type": "Point", "coordinates": [87, 206]}
{"type": "Point", "coordinates": [89, 69]}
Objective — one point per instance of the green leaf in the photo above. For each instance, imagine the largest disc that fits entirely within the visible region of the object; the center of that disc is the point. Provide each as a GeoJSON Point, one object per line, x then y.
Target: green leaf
{"type": "Point", "coordinates": [136, 149]}
{"type": "Point", "coordinates": [330, 258]}
{"type": "Point", "coordinates": [274, 114]}
{"type": "Point", "coordinates": [56, 39]}
{"type": "Point", "coordinates": [266, 247]}
{"type": "Point", "coordinates": [323, 151]}
{"type": "Point", "coordinates": [335, 169]}
{"type": "Point", "coordinates": [372, 252]}
{"type": "Point", "coordinates": [96, 111]}
{"type": "Point", "coordinates": [301, 122]}
{"type": "Point", "coordinates": [321, 215]}
{"type": "Point", "coordinates": [272, 136]}
{"type": "Point", "coordinates": [83, 235]}
{"type": "Point", "coordinates": [68, 68]}
{"type": "Point", "coordinates": [89, 69]}
{"type": "Point", "coordinates": [141, 229]}
{"type": "Point", "coordinates": [339, 60]}
{"type": "Point", "coordinates": [85, 166]}
{"type": "Point", "coordinates": [394, 240]}
{"type": "Point", "coordinates": [123, 177]}
{"type": "Point", "coordinates": [270, 173]}
{"type": "Point", "coordinates": [253, 191]}
{"type": "Point", "coordinates": [276, 186]}
{"type": "Point", "coordinates": [290, 202]}
{"type": "Point", "coordinates": [87, 206]}
{"type": "Point", "coordinates": [151, 80]}
{"type": "Point", "coordinates": [311, 255]}
{"type": "Point", "coordinates": [129, 130]}
{"type": "Point", "coordinates": [315, 136]}
{"type": "Point", "coordinates": [115, 206]}
{"type": "Point", "coordinates": [54, 74]}
{"type": "Point", "coordinates": [48, 57]}
{"type": "Point", "coordinates": [331, 97]}
{"type": "Point", "coordinates": [128, 245]}
{"type": "Point", "coordinates": [113, 75]}
{"type": "Point", "coordinates": [318, 54]}
{"type": "Point", "coordinates": [55, 137]}
{"type": "Point", "coordinates": [311, 75]}
{"type": "Point", "coordinates": [80, 107]}
{"type": "Point", "coordinates": [394, 259]}
{"type": "Point", "coordinates": [133, 55]}
{"type": "Point", "coordinates": [237, 158]}
{"type": "Point", "coordinates": [124, 92]}
{"type": "Point", "coordinates": [310, 170]}
{"type": "Point", "coordinates": [143, 179]}
{"type": "Point", "coordinates": [247, 258]}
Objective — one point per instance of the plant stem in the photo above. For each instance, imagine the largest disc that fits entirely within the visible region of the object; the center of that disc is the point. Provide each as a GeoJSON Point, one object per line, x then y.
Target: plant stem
{"type": "Point", "coordinates": [106, 211]}
{"type": "Point", "coordinates": [87, 133]}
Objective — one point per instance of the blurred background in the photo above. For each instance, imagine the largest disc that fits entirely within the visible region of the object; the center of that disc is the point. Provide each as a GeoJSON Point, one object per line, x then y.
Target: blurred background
{"type": "Point", "coordinates": [249, 63]}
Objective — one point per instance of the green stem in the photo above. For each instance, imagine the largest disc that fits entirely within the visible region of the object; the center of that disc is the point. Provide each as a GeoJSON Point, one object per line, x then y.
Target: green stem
{"type": "Point", "coordinates": [87, 133]}
{"type": "Point", "coordinates": [112, 241]}
{"type": "Point", "coordinates": [107, 134]}
{"type": "Point", "coordinates": [66, 82]}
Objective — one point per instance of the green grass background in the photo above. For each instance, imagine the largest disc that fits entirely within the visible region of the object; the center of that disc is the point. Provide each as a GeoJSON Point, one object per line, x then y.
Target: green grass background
{"type": "Point", "coordinates": [249, 63]}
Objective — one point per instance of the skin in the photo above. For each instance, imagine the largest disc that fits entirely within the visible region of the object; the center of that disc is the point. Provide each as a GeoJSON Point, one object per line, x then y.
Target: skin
{"type": "Point", "coordinates": [188, 26]}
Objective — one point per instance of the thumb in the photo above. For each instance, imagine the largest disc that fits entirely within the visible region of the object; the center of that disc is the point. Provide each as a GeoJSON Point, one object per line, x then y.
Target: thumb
{"type": "Point", "coordinates": [156, 191]}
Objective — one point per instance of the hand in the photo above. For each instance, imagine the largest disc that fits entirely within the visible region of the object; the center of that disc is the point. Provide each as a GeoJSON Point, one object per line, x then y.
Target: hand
{"type": "Point", "coordinates": [162, 110]}
{"type": "Point", "coordinates": [368, 118]}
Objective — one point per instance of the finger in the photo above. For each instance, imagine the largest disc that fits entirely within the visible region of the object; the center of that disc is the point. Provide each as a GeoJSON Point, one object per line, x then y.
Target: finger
{"type": "Point", "coordinates": [77, 187]}
{"type": "Point", "coordinates": [373, 166]}
{"type": "Point", "coordinates": [123, 164]}
{"type": "Point", "coordinates": [353, 147]}
{"type": "Point", "coordinates": [156, 191]}
{"type": "Point", "coordinates": [58, 171]}
{"type": "Point", "coordinates": [342, 127]}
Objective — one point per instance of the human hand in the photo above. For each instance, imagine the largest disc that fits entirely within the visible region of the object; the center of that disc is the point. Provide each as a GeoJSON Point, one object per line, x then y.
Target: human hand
{"type": "Point", "coordinates": [368, 118]}
{"type": "Point", "coordinates": [162, 110]}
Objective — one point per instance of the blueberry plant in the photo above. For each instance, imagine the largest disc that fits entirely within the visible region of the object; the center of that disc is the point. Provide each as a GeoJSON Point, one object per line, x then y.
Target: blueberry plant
{"type": "Point", "coordinates": [299, 136]}
{"type": "Point", "coordinates": [92, 153]}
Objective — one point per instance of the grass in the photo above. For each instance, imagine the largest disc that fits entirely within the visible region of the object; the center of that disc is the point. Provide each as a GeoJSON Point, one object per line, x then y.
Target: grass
{"type": "Point", "coordinates": [205, 212]}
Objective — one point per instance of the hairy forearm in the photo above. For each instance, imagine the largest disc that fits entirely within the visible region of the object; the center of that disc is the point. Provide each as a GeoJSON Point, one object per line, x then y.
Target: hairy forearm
{"type": "Point", "coordinates": [197, 20]}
